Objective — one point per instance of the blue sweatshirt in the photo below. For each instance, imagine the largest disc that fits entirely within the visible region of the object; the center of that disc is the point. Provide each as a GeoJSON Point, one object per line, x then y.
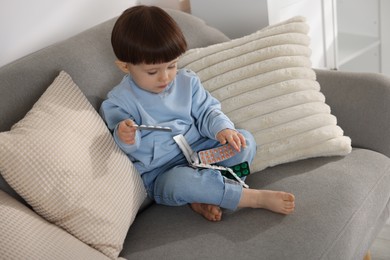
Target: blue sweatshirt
{"type": "Point", "coordinates": [185, 106]}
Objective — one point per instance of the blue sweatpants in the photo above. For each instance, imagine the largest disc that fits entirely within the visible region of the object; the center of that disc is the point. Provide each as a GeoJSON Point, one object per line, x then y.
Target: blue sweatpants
{"type": "Point", "coordinates": [183, 184]}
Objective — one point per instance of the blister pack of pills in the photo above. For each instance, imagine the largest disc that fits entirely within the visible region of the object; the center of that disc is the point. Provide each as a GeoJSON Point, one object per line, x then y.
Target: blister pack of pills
{"type": "Point", "coordinates": [218, 154]}
{"type": "Point", "coordinates": [241, 170]}
{"type": "Point", "coordinates": [192, 158]}
{"type": "Point", "coordinates": [229, 173]}
{"type": "Point", "coordinates": [153, 128]}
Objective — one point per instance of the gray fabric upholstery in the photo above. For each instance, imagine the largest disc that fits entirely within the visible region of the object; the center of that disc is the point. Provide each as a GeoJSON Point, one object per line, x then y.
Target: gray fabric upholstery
{"type": "Point", "coordinates": [361, 103]}
{"type": "Point", "coordinates": [23, 81]}
{"type": "Point", "coordinates": [337, 203]}
{"type": "Point", "coordinates": [342, 202]}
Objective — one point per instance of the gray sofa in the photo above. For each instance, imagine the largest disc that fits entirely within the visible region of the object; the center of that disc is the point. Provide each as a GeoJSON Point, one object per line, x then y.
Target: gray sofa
{"type": "Point", "coordinates": [341, 202]}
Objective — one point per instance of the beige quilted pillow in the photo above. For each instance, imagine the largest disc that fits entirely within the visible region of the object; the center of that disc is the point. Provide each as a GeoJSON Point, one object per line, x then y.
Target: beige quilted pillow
{"type": "Point", "coordinates": [25, 235]}
{"type": "Point", "coordinates": [266, 85]}
{"type": "Point", "coordinates": [64, 162]}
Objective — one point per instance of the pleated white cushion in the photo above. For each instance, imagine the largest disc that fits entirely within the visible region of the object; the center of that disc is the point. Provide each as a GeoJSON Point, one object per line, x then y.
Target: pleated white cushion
{"type": "Point", "coordinates": [266, 85]}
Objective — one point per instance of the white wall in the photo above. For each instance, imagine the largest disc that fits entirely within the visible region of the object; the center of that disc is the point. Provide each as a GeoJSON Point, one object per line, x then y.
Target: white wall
{"type": "Point", "coordinates": [29, 25]}
{"type": "Point", "coordinates": [385, 36]}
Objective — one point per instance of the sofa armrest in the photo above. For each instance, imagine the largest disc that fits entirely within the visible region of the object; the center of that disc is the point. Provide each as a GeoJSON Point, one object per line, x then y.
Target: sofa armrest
{"type": "Point", "coordinates": [25, 235]}
{"type": "Point", "coordinates": [361, 103]}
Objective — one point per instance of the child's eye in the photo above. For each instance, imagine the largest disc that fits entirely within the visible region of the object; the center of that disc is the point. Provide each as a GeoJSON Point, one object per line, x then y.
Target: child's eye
{"type": "Point", "coordinates": [152, 73]}
{"type": "Point", "coordinates": [172, 66]}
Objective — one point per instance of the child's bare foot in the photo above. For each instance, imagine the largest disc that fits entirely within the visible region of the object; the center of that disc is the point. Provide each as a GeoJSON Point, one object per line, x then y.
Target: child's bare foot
{"type": "Point", "coordinates": [210, 212]}
{"type": "Point", "coordinates": [276, 201]}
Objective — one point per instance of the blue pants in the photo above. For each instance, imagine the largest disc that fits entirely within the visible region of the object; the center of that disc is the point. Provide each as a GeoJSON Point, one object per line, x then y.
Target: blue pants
{"type": "Point", "coordinates": [183, 184]}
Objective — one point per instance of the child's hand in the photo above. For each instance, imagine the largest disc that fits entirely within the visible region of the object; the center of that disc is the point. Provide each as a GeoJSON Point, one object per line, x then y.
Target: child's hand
{"type": "Point", "coordinates": [126, 131]}
{"type": "Point", "coordinates": [234, 138]}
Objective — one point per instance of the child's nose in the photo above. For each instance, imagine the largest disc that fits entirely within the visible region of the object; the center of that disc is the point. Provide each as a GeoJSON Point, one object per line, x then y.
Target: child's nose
{"type": "Point", "coordinates": [164, 76]}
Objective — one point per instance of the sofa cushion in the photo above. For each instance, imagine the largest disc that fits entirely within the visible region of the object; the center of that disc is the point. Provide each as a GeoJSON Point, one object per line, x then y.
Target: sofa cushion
{"type": "Point", "coordinates": [266, 85]}
{"type": "Point", "coordinates": [63, 161]}
{"type": "Point", "coordinates": [340, 201]}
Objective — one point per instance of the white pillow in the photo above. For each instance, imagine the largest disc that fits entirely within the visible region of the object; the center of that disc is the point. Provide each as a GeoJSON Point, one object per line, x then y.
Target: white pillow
{"type": "Point", "coordinates": [266, 85]}
{"type": "Point", "coordinates": [63, 161]}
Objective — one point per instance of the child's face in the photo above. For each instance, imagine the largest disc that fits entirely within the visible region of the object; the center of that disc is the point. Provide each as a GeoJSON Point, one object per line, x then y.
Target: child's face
{"type": "Point", "coordinates": [152, 77]}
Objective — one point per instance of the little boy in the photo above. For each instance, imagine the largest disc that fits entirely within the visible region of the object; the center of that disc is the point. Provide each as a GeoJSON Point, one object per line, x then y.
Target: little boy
{"type": "Point", "coordinates": [148, 44]}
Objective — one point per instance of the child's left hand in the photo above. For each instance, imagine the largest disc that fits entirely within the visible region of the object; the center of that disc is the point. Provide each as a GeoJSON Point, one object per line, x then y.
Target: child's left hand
{"type": "Point", "coordinates": [233, 137]}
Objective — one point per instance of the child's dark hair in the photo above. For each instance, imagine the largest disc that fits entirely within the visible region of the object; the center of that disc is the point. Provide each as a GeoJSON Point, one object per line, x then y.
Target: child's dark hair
{"type": "Point", "coordinates": [147, 34]}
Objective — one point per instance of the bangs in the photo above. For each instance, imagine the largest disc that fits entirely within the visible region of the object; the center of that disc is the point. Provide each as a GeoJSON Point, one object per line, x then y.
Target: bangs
{"type": "Point", "coordinates": [155, 46]}
{"type": "Point", "coordinates": [148, 36]}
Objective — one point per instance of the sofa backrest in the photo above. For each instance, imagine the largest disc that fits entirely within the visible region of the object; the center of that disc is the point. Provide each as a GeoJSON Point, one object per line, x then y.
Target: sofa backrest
{"type": "Point", "coordinates": [87, 57]}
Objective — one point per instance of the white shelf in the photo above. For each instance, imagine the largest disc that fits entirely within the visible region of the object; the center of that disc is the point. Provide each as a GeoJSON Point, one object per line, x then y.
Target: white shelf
{"type": "Point", "coordinates": [351, 46]}
{"type": "Point", "coordinates": [367, 62]}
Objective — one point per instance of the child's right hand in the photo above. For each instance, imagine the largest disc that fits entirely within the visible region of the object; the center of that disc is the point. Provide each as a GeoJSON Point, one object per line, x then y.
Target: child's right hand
{"type": "Point", "coordinates": [126, 131]}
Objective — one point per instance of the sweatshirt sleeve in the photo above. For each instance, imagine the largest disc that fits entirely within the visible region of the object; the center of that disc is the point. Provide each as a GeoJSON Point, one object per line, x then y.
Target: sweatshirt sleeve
{"type": "Point", "coordinates": [113, 114]}
{"type": "Point", "coordinates": [207, 112]}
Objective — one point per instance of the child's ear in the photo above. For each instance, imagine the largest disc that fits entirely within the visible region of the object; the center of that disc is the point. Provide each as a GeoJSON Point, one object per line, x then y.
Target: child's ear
{"type": "Point", "coordinates": [122, 66]}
